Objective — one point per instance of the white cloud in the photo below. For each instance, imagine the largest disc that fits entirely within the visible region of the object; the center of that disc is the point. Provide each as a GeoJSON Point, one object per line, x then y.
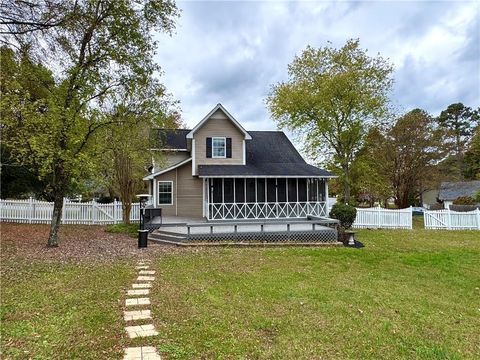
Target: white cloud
{"type": "Point", "coordinates": [232, 52]}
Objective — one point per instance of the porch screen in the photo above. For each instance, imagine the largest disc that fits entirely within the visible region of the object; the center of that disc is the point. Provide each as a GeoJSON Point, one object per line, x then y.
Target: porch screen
{"type": "Point", "coordinates": [251, 198]}
{"type": "Point", "coordinates": [292, 190]}
{"type": "Point", "coordinates": [260, 190]}
{"type": "Point", "coordinates": [312, 189]}
{"type": "Point", "coordinates": [302, 190]}
{"type": "Point", "coordinates": [282, 190]}
{"type": "Point", "coordinates": [228, 191]}
{"type": "Point", "coordinates": [217, 191]}
{"type": "Point", "coordinates": [271, 190]}
{"type": "Point", "coordinates": [239, 190]}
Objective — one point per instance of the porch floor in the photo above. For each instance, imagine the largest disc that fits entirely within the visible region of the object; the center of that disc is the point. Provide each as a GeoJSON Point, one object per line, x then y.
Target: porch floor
{"type": "Point", "coordinates": [180, 230]}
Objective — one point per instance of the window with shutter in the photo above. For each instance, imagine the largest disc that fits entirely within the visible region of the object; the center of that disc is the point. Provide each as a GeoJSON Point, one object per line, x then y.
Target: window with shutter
{"type": "Point", "coordinates": [209, 147]}
{"type": "Point", "coordinates": [229, 148]}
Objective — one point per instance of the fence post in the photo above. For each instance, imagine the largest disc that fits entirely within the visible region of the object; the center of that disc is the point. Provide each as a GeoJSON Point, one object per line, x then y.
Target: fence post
{"type": "Point", "coordinates": [93, 212]}
{"type": "Point", "coordinates": [378, 217]}
{"type": "Point", "coordinates": [449, 218]}
{"type": "Point", "coordinates": [30, 213]}
{"type": "Point", "coordinates": [478, 218]}
{"type": "Point", "coordinates": [64, 210]}
{"type": "Point", "coordinates": [411, 217]}
{"type": "Point", "coordinates": [114, 211]}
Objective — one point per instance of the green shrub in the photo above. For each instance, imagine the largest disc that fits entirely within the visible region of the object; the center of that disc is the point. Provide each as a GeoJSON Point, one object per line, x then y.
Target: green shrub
{"type": "Point", "coordinates": [464, 200]}
{"type": "Point", "coordinates": [129, 229]}
{"type": "Point", "coordinates": [344, 213]}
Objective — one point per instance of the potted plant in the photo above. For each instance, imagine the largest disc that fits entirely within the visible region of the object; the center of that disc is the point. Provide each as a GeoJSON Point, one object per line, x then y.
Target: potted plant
{"type": "Point", "coordinates": [346, 215]}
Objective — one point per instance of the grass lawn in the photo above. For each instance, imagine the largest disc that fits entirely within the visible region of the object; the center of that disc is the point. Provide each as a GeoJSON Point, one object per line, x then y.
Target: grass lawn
{"type": "Point", "coordinates": [407, 294]}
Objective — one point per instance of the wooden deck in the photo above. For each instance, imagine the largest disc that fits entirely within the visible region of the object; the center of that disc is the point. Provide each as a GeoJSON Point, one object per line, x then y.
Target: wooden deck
{"type": "Point", "coordinates": [259, 232]}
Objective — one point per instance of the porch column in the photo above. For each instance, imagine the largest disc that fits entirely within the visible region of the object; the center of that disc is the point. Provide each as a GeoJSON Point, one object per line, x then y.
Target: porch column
{"type": "Point", "coordinates": [326, 197]}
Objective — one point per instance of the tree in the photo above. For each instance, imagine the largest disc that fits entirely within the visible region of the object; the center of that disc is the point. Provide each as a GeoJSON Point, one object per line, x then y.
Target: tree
{"type": "Point", "coordinates": [458, 121]}
{"type": "Point", "coordinates": [329, 99]}
{"type": "Point", "coordinates": [408, 154]}
{"type": "Point", "coordinates": [100, 47]}
{"type": "Point", "coordinates": [472, 157]}
{"type": "Point", "coordinates": [369, 174]}
{"type": "Point", "coordinates": [21, 17]}
{"type": "Point", "coordinates": [127, 150]}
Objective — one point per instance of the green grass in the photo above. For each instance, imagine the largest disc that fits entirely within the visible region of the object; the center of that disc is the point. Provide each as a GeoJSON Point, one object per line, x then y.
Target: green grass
{"type": "Point", "coordinates": [129, 229]}
{"type": "Point", "coordinates": [407, 294]}
{"type": "Point", "coordinates": [63, 311]}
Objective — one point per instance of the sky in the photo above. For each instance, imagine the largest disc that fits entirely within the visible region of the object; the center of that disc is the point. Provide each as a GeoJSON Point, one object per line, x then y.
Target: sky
{"type": "Point", "coordinates": [233, 52]}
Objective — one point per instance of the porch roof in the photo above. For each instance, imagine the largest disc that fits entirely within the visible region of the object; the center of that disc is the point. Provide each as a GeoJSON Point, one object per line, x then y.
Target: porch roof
{"type": "Point", "coordinates": [263, 170]}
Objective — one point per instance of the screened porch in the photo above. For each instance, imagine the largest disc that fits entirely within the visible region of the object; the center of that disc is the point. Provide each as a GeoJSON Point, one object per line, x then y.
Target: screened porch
{"type": "Point", "coordinates": [265, 198]}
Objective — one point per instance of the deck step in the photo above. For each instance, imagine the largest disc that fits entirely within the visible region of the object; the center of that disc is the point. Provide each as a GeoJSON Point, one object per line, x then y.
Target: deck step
{"type": "Point", "coordinates": [169, 234]}
{"type": "Point", "coordinates": [162, 237]}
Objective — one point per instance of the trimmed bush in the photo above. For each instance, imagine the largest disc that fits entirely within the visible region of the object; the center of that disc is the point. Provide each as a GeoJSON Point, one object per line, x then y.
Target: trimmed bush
{"type": "Point", "coordinates": [464, 200]}
{"type": "Point", "coordinates": [344, 213]}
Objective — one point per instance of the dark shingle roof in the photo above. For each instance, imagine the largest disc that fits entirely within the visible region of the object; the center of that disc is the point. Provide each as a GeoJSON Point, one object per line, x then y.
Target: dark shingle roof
{"type": "Point", "coordinates": [172, 138]}
{"type": "Point", "coordinates": [452, 190]}
{"type": "Point", "coordinates": [268, 153]}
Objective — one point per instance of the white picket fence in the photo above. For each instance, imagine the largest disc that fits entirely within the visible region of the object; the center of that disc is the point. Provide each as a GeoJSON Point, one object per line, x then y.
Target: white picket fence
{"type": "Point", "coordinates": [452, 220]}
{"type": "Point", "coordinates": [40, 212]}
{"type": "Point", "coordinates": [380, 218]}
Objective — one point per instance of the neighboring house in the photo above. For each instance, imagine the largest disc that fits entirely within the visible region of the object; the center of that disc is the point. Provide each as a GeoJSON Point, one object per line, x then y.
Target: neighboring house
{"type": "Point", "coordinates": [449, 191]}
{"type": "Point", "coordinates": [219, 170]}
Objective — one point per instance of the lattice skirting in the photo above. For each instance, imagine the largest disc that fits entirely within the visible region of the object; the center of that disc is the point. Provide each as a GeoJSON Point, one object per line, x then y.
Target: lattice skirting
{"type": "Point", "coordinates": [293, 236]}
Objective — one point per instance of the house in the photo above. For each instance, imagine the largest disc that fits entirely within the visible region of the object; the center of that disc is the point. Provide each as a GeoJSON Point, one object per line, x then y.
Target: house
{"type": "Point", "coordinates": [219, 171]}
{"type": "Point", "coordinates": [449, 191]}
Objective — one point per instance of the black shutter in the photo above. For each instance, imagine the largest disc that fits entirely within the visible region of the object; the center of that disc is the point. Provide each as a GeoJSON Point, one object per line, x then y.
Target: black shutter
{"type": "Point", "coordinates": [209, 147]}
{"type": "Point", "coordinates": [229, 148]}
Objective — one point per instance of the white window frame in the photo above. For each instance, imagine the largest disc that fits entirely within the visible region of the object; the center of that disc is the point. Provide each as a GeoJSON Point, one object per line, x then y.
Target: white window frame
{"type": "Point", "coordinates": [224, 147]}
{"type": "Point", "coordinates": [158, 192]}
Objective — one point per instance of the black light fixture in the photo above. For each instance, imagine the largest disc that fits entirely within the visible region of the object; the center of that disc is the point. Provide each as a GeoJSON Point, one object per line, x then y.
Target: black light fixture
{"type": "Point", "coordinates": [142, 233]}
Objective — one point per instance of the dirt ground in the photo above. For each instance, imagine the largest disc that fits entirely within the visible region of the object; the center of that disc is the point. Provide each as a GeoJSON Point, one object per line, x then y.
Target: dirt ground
{"type": "Point", "coordinates": [76, 243]}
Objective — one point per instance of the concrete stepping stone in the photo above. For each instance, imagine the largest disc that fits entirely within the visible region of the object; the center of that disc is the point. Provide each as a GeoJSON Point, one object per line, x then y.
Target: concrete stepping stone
{"type": "Point", "coordinates": [137, 315]}
{"type": "Point", "coordinates": [147, 272]}
{"type": "Point", "coordinates": [138, 292]}
{"type": "Point", "coordinates": [145, 278]}
{"type": "Point", "coordinates": [137, 301]}
{"type": "Point", "coordinates": [142, 286]}
{"type": "Point", "coordinates": [141, 331]}
{"type": "Point", "coordinates": [141, 353]}
{"type": "Point", "coordinates": [140, 267]}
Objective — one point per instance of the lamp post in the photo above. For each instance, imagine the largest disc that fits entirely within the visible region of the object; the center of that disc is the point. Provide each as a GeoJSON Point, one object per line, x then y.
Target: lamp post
{"type": "Point", "coordinates": [142, 233]}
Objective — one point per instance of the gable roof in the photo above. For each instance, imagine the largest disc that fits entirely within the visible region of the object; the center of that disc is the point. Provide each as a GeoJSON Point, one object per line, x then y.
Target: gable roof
{"type": "Point", "coordinates": [269, 153]}
{"type": "Point", "coordinates": [172, 167]}
{"type": "Point", "coordinates": [172, 139]}
{"type": "Point", "coordinates": [452, 190]}
{"type": "Point", "coordinates": [230, 117]}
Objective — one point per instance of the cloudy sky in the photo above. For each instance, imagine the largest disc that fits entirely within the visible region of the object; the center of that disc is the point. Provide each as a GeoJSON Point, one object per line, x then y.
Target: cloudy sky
{"type": "Point", "coordinates": [232, 52]}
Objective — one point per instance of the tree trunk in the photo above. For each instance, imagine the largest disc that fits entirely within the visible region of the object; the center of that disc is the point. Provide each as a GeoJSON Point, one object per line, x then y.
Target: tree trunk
{"type": "Point", "coordinates": [56, 220]}
{"type": "Point", "coordinates": [59, 186]}
{"type": "Point", "coordinates": [459, 156]}
{"type": "Point", "coordinates": [346, 185]}
{"type": "Point", "coordinates": [126, 209]}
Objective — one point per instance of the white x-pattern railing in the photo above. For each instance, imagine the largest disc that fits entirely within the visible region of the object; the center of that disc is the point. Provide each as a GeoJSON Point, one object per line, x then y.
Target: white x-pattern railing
{"type": "Point", "coordinates": [225, 211]}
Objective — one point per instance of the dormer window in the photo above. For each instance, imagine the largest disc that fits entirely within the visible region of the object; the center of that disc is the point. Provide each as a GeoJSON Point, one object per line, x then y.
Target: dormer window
{"type": "Point", "coordinates": [219, 147]}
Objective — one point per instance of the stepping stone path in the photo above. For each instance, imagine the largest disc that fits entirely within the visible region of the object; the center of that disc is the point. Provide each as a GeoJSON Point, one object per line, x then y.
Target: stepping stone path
{"type": "Point", "coordinates": [136, 303]}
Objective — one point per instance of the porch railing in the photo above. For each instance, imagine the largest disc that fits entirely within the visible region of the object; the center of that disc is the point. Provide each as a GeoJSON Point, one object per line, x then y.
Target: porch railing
{"type": "Point", "coordinates": [227, 211]}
